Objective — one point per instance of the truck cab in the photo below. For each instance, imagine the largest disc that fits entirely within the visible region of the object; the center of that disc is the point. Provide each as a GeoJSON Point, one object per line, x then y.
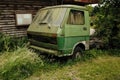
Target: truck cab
{"type": "Point", "coordinates": [61, 30]}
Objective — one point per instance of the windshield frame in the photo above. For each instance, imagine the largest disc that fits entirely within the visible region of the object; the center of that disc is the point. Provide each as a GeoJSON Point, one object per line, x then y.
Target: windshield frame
{"type": "Point", "coordinates": [53, 16]}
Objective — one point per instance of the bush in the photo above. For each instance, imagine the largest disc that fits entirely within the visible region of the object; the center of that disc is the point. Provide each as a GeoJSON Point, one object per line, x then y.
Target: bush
{"type": "Point", "coordinates": [108, 23]}
{"type": "Point", "coordinates": [19, 64]}
{"type": "Point", "coordinates": [94, 53]}
{"type": "Point", "coordinates": [8, 43]}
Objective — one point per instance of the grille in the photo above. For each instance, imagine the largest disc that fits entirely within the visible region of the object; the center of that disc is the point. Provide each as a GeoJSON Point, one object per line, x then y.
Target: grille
{"type": "Point", "coordinates": [45, 39]}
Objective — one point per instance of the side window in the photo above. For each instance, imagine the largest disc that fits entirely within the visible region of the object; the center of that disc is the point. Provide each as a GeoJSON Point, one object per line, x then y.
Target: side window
{"type": "Point", "coordinates": [76, 17]}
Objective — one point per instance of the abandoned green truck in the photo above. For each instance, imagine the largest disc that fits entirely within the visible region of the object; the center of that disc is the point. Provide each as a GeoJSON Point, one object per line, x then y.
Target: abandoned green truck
{"type": "Point", "coordinates": [61, 30]}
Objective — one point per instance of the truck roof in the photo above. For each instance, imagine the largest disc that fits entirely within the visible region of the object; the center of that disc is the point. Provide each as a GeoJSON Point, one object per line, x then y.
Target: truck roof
{"type": "Point", "coordinates": [65, 6]}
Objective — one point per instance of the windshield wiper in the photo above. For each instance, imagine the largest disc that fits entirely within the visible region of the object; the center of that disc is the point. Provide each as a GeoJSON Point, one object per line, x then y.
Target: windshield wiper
{"type": "Point", "coordinates": [43, 22]}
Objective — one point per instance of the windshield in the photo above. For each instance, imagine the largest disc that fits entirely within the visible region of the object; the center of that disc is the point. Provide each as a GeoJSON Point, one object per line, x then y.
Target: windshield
{"type": "Point", "coordinates": [52, 16]}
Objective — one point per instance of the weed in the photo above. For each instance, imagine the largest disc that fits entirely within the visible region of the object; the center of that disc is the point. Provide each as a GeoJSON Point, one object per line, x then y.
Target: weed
{"type": "Point", "coordinates": [114, 52]}
{"type": "Point", "coordinates": [8, 43]}
{"type": "Point", "coordinates": [19, 64]}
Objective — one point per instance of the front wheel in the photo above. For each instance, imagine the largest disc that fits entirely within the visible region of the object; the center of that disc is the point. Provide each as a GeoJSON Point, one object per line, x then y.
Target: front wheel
{"type": "Point", "coordinates": [78, 53]}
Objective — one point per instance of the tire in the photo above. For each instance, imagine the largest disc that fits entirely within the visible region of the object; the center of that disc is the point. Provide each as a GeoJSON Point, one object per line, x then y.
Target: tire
{"type": "Point", "coordinates": [78, 53]}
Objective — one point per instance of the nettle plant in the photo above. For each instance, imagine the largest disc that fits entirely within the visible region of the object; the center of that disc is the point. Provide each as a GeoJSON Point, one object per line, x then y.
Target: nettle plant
{"type": "Point", "coordinates": [8, 43]}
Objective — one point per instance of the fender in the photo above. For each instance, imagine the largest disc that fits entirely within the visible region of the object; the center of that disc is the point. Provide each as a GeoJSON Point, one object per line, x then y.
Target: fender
{"type": "Point", "coordinates": [84, 43]}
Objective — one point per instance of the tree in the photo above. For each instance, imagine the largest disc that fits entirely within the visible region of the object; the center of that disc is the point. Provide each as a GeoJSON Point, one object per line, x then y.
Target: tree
{"type": "Point", "coordinates": [108, 23]}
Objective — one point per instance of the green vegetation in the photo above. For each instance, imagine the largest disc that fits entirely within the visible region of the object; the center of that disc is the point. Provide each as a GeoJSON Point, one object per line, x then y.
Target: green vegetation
{"type": "Point", "coordinates": [108, 23]}
{"type": "Point", "coordinates": [19, 64]}
{"type": "Point", "coordinates": [23, 64]}
{"type": "Point", "coordinates": [8, 43]}
{"type": "Point", "coordinates": [16, 61]}
{"type": "Point", "coordinates": [102, 68]}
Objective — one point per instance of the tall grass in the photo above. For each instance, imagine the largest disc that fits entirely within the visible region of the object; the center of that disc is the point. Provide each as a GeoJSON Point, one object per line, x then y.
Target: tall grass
{"type": "Point", "coordinates": [16, 61]}
{"type": "Point", "coordinates": [23, 63]}
{"type": "Point", "coordinates": [95, 65]}
{"type": "Point", "coordinates": [19, 64]}
{"type": "Point", "coordinates": [8, 43]}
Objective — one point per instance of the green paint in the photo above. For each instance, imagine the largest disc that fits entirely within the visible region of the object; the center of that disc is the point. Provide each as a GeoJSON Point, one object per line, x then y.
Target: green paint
{"type": "Point", "coordinates": [67, 43]}
{"type": "Point", "coordinates": [69, 24]}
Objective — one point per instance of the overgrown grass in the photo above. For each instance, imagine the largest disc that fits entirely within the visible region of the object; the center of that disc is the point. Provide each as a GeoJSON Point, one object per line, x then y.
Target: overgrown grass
{"type": "Point", "coordinates": [19, 64]}
{"type": "Point", "coordinates": [8, 43]}
{"type": "Point", "coordinates": [96, 65]}
{"type": "Point", "coordinates": [25, 64]}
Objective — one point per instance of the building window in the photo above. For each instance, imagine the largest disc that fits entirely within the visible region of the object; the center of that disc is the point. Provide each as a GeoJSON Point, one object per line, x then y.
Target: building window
{"type": "Point", "coordinates": [76, 17]}
{"type": "Point", "coordinates": [23, 19]}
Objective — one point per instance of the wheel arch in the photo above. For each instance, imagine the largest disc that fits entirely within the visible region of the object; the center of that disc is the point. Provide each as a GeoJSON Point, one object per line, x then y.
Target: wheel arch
{"type": "Point", "coordinates": [80, 44]}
